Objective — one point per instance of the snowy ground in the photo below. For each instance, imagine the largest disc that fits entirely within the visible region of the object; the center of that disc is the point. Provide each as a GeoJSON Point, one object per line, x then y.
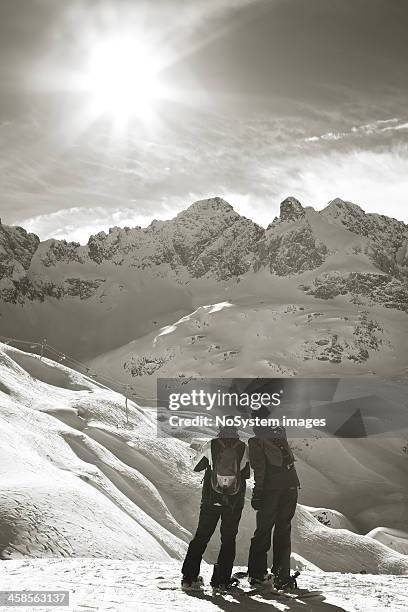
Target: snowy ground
{"type": "Point", "coordinates": [118, 586]}
{"type": "Point", "coordinates": [77, 481]}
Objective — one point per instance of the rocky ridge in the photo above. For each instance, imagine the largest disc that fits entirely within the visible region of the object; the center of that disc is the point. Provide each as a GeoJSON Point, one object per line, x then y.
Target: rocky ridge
{"type": "Point", "coordinates": [338, 251]}
{"type": "Point", "coordinates": [210, 239]}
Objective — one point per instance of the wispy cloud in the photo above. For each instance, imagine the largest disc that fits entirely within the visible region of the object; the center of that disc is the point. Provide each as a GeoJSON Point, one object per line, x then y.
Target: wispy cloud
{"type": "Point", "coordinates": [376, 180]}
{"type": "Point", "coordinates": [368, 129]}
{"type": "Point", "coordinates": [78, 224]}
{"type": "Point", "coordinates": [253, 163]}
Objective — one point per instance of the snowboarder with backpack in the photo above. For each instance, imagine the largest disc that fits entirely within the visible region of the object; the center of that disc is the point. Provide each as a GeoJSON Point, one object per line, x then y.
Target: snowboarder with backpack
{"type": "Point", "coordinates": [274, 498]}
{"type": "Point", "coordinates": [226, 465]}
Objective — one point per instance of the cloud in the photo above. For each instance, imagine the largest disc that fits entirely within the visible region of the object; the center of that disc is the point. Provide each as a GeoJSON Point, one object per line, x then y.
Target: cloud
{"type": "Point", "coordinates": [78, 224]}
{"type": "Point", "coordinates": [367, 129]}
{"type": "Point", "coordinates": [253, 162]}
{"type": "Point", "coordinates": [376, 180]}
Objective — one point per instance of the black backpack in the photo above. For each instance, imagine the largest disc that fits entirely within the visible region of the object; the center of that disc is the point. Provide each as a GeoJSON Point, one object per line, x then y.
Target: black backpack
{"type": "Point", "coordinates": [226, 466]}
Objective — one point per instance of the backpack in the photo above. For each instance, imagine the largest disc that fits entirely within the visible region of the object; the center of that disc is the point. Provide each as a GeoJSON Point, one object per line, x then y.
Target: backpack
{"type": "Point", "coordinates": [226, 471]}
{"type": "Point", "coordinates": [278, 454]}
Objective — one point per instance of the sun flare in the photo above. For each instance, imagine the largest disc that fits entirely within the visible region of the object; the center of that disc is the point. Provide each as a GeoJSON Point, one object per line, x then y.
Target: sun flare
{"type": "Point", "coordinates": [123, 79]}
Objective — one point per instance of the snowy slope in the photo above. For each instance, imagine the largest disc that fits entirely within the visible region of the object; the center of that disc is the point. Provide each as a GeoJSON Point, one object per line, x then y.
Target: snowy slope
{"type": "Point", "coordinates": [394, 538]}
{"type": "Point", "coordinates": [71, 507]}
{"type": "Point", "coordinates": [275, 333]}
{"type": "Point", "coordinates": [77, 480]}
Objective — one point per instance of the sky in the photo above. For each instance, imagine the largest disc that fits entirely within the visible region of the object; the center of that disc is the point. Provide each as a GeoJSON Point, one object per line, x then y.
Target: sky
{"type": "Point", "coordinates": [250, 100]}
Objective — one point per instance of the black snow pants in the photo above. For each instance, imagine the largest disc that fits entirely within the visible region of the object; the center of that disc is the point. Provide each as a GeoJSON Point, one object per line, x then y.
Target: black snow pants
{"type": "Point", "coordinates": [277, 510]}
{"type": "Point", "coordinates": [207, 522]}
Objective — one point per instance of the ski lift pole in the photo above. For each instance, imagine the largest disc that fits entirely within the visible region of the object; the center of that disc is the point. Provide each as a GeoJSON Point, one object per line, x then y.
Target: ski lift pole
{"type": "Point", "coordinates": [126, 403]}
{"type": "Point", "coordinates": [43, 345]}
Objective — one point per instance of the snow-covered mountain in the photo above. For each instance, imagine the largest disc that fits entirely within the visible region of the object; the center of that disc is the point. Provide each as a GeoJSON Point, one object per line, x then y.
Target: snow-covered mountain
{"type": "Point", "coordinates": [77, 480]}
{"type": "Point", "coordinates": [133, 281]}
{"type": "Point", "coordinates": [280, 332]}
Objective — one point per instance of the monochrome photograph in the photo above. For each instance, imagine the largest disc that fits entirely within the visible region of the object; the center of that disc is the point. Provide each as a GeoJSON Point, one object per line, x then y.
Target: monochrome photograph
{"type": "Point", "coordinates": [203, 305]}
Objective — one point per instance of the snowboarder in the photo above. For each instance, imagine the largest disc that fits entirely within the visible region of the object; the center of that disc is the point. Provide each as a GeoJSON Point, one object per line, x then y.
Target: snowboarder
{"type": "Point", "coordinates": [274, 498]}
{"type": "Point", "coordinates": [226, 465]}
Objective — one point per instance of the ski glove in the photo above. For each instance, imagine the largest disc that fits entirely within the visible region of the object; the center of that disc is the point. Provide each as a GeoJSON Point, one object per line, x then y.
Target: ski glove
{"type": "Point", "coordinates": [256, 501]}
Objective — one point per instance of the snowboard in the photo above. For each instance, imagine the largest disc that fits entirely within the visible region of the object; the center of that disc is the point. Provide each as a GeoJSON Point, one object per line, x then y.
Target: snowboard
{"type": "Point", "coordinates": [237, 590]}
{"type": "Point", "coordinates": [205, 589]}
{"type": "Point", "coordinates": [268, 589]}
{"type": "Point", "coordinates": [300, 593]}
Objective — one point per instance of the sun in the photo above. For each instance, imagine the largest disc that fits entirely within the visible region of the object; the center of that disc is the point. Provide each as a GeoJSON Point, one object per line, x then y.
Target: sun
{"type": "Point", "coordinates": [123, 79]}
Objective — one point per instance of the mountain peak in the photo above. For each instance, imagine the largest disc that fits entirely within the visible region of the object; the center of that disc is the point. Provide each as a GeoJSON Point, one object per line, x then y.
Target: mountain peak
{"type": "Point", "coordinates": [339, 207]}
{"type": "Point", "coordinates": [291, 210]}
{"type": "Point", "coordinates": [209, 206]}
{"type": "Point", "coordinates": [16, 244]}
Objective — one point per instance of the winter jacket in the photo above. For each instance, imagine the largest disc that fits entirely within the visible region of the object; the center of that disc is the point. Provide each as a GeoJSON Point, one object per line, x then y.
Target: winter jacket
{"type": "Point", "coordinates": [272, 462]}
